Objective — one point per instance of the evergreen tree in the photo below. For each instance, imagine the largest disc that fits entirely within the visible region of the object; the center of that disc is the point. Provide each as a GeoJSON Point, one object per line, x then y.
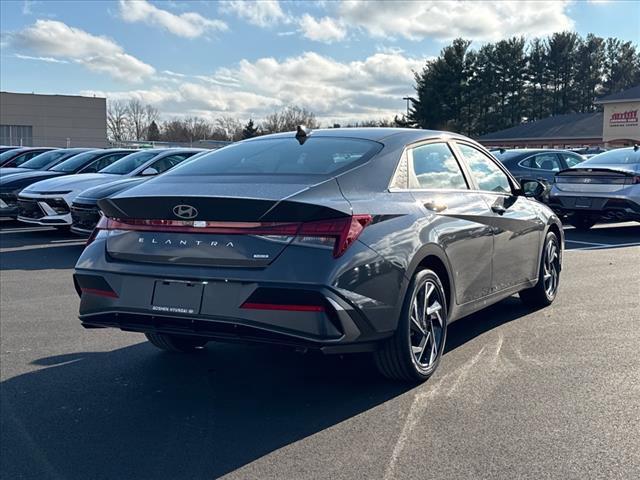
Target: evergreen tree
{"type": "Point", "coordinates": [153, 132]}
{"type": "Point", "coordinates": [249, 130]}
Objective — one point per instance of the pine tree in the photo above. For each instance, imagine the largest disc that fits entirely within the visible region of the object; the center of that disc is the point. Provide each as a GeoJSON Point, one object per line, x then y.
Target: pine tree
{"type": "Point", "coordinates": [153, 132]}
{"type": "Point", "coordinates": [249, 130]}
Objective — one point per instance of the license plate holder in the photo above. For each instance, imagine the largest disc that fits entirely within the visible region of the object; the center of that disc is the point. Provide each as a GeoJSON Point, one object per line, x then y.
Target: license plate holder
{"type": "Point", "coordinates": [583, 202]}
{"type": "Point", "coordinates": [177, 297]}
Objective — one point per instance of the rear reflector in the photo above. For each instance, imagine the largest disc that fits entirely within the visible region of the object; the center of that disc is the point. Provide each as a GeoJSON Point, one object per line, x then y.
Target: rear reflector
{"type": "Point", "coordinates": [278, 306]}
{"type": "Point", "coordinates": [342, 231]}
{"type": "Point", "coordinates": [100, 293]}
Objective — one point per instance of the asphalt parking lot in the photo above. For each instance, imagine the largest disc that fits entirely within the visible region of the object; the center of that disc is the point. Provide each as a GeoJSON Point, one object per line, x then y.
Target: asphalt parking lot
{"type": "Point", "coordinates": [553, 393]}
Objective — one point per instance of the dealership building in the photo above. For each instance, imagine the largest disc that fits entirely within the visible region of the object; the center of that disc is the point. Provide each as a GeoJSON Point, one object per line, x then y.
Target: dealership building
{"type": "Point", "coordinates": [616, 126]}
{"type": "Point", "coordinates": [52, 120]}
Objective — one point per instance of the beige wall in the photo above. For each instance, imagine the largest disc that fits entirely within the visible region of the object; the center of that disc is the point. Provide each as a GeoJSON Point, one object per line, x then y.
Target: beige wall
{"type": "Point", "coordinates": [621, 121]}
{"type": "Point", "coordinates": [56, 118]}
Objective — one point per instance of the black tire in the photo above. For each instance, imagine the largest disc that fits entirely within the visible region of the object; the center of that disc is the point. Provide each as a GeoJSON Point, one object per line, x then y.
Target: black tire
{"type": "Point", "coordinates": [176, 343]}
{"type": "Point", "coordinates": [541, 296]}
{"type": "Point", "coordinates": [395, 357]}
{"type": "Point", "coordinates": [582, 223]}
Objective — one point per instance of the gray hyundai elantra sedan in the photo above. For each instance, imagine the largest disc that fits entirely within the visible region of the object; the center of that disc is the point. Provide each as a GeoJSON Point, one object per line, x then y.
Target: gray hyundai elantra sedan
{"type": "Point", "coordinates": [340, 240]}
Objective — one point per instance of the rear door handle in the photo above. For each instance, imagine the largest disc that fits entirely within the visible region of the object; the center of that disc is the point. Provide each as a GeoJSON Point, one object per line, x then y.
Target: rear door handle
{"type": "Point", "coordinates": [499, 209]}
{"type": "Point", "coordinates": [435, 206]}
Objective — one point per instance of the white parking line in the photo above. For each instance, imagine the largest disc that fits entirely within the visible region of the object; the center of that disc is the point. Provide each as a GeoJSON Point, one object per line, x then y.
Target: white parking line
{"type": "Point", "coordinates": [603, 246]}
{"type": "Point", "coordinates": [584, 243]}
{"type": "Point", "coordinates": [21, 230]}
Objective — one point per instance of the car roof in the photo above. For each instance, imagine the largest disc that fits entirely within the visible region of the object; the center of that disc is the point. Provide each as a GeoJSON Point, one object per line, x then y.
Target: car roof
{"type": "Point", "coordinates": [376, 134]}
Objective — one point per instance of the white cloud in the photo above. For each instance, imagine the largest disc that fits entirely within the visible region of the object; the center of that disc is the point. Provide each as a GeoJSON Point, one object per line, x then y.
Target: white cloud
{"type": "Point", "coordinates": [448, 19]}
{"type": "Point", "coordinates": [40, 59]}
{"type": "Point", "coordinates": [50, 38]}
{"type": "Point", "coordinates": [336, 91]}
{"type": "Point", "coordinates": [263, 13]}
{"type": "Point", "coordinates": [325, 30]}
{"type": "Point", "coordinates": [187, 25]}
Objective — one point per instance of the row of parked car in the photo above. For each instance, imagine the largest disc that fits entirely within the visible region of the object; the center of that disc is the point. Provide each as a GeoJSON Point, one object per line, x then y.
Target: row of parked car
{"type": "Point", "coordinates": [61, 187]}
{"type": "Point", "coordinates": [582, 191]}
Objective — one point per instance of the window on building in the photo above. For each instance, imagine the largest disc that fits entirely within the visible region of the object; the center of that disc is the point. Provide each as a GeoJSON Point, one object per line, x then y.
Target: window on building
{"type": "Point", "coordinates": [16, 135]}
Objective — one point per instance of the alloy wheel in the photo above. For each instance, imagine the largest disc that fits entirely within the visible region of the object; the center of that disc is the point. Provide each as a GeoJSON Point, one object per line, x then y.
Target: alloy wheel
{"type": "Point", "coordinates": [426, 326]}
{"type": "Point", "coordinates": [551, 269]}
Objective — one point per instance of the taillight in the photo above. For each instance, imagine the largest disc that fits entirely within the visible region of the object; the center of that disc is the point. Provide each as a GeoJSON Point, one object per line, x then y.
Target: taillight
{"type": "Point", "coordinates": [103, 224]}
{"type": "Point", "coordinates": [342, 232]}
{"type": "Point", "coordinates": [339, 233]}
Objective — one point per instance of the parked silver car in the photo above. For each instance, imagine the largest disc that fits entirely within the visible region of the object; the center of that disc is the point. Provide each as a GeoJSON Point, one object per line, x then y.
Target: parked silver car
{"type": "Point", "coordinates": [605, 187]}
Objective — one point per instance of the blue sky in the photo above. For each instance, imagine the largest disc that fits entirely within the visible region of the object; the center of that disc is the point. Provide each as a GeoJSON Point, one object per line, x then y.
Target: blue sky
{"type": "Point", "coordinates": [344, 60]}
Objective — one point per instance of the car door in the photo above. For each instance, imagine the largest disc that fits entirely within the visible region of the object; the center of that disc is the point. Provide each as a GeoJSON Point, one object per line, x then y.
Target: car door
{"type": "Point", "coordinates": [517, 230]}
{"type": "Point", "coordinates": [455, 216]}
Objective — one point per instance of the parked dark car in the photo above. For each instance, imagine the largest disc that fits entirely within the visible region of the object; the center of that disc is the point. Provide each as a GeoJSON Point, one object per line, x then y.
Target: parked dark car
{"type": "Point", "coordinates": [43, 161]}
{"type": "Point", "coordinates": [84, 162]}
{"type": "Point", "coordinates": [85, 212]}
{"type": "Point", "coordinates": [4, 148]}
{"type": "Point", "coordinates": [48, 202]}
{"type": "Point", "coordinates": [604, 188]}
{"type": "Point", "coordinates": [341, 240]}
{"type": "Point", "coordinates": [14, 157]}
{"type": "Point", "coordinates": [537, 164]}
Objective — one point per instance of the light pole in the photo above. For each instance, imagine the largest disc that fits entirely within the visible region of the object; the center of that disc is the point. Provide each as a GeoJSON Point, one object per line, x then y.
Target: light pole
{"type": "Point", "coordinates": [408, 99]}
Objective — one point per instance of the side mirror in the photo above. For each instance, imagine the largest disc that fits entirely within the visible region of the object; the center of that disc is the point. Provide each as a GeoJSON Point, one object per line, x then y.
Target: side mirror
{"type": "Point", "coordinates": [532, 188]}
{"type": "Point", "coordinates": [149, 171]}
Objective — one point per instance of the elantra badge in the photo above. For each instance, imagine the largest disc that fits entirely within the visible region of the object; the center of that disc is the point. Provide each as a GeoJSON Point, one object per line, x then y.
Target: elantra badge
{"type": "Point", "coordinates": [185, 211]}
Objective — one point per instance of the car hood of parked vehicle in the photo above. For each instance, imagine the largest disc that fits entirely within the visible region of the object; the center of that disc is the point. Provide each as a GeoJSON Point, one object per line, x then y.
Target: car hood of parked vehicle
{"type": "Point", "coordinates": [27, 177]}
{"type": "Point", "coordinates": [93, 194]}
{"type": "Point", "coordinates": [70, 183]}
{"type": "Point", "coordinates": [4, 172]}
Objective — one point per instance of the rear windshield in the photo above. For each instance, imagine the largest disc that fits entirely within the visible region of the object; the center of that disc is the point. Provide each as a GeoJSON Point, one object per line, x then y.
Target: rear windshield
{"type": "Point", "coordinates": [76, 162]}
{"type": "Point", "coordinates": [44, 159]}
{"type": "Point", "coordinates": [282, 156]}
{"type": "Point", "coordinates": [623, 156]}
{"type": "Point", "coordinates": [129, 163]}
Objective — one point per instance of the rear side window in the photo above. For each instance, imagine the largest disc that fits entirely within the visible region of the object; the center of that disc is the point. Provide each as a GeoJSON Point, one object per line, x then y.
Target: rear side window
{"type": "Point", "coordinates": [486, 173]}
{"type": "Point", "coordinates": [170, 161]}
{"type": "Point", "coordinates": [572, 159]}
{"type": "Point", "coordinates": [103, 162]}
{"type": "Point", "coordinates": [283, 156]}
{"type": "Point", "coordinates": [542, 161]}
{"type": "Point", "coordinates": [433, 166]}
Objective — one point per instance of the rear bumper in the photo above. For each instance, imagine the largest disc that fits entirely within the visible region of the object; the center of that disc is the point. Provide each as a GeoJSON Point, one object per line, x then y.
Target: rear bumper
{"type": "Point", "coordinates": [125, 302]}
{"type": "Point", "coordinates": [606, 208]}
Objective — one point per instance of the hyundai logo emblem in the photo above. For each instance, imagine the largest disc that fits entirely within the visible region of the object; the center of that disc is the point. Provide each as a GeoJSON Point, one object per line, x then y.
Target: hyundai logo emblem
{"type": "Point", "coordinates": [185, 211]}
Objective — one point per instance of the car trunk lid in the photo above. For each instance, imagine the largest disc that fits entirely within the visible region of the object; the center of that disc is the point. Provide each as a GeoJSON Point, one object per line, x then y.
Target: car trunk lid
{"type": "Point", "coordinates": [231, 224]}
{"type": "Point", "coordinates": [594, 180]}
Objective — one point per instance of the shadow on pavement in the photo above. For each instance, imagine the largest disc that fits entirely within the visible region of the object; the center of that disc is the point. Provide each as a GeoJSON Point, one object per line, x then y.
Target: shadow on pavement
{"type": "Point", "coordinates": [136, 412]}
{"type": "Point", "coordinates": [603, 236]}
{"type": "Point", "coordinates": [54, 257]}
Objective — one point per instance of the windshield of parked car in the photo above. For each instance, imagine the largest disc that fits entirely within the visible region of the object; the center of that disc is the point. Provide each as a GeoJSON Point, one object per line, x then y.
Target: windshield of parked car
{"type": "Point", "coordinates": [622, 156]}
{"type": "Point", "coordinates": [282, 156]}
{"type": "Point", "coordinates": [8, 154]}
{"type": "Point", "coordinates": [44, 159]}
{"type": "Point", "coordinates": [129, 163]}
{"type": "Point", "coordinates": [77, 161]}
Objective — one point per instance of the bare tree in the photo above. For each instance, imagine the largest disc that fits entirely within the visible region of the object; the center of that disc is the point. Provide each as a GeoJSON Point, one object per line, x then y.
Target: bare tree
{"type": "Point", "coordinates": [288, 119]}
{"type": "Point", "coordinates": [151, 115]}
{"type": "Point", "coordinates": [136, 112]}
{"type": "Point", "coordinates": [227, 128]}
{"type": "Point", "coordinates": [117, 121]}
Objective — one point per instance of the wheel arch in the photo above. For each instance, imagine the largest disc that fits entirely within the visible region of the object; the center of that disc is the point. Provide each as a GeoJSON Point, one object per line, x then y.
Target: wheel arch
{"type": "Point", "coordinates": [433, 257]}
